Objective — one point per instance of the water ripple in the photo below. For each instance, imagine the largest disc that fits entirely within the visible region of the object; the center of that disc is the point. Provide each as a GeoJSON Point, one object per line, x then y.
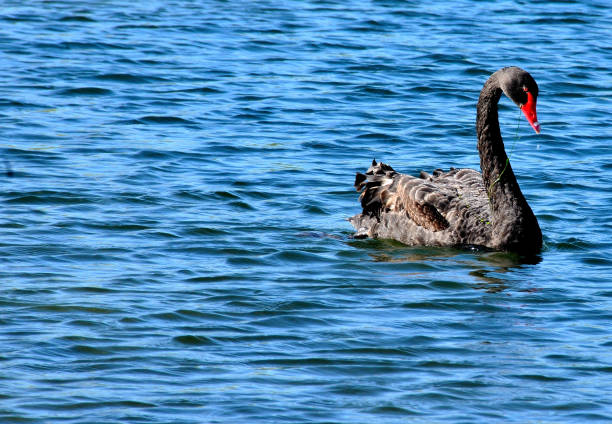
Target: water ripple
{"type": "Point", "coordinates": [176, 179]}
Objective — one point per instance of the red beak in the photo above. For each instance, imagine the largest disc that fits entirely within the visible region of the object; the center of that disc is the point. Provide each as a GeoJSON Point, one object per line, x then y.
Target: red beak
{"type": "Point", "coordinates": [529, 109]}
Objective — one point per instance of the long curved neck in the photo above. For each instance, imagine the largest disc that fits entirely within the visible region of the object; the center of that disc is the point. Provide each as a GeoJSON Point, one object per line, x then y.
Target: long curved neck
{"type": "Point", "coordinates": [514, 223]}
{"type": "Point", "coordinates": [497, 173]}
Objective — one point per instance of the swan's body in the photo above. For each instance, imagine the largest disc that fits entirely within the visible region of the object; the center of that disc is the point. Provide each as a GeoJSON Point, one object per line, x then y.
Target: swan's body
{"type": "Point", "coordinates": [461, 207]}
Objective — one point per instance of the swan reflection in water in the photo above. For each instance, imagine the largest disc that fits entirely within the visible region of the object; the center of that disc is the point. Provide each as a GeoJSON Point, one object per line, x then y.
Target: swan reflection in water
{"type": "Point", "coordinates": [487, 266]}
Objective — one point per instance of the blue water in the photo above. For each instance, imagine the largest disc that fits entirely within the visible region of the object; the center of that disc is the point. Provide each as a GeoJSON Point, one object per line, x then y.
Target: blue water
{"type": "Point", "coordinates": [173, 238]}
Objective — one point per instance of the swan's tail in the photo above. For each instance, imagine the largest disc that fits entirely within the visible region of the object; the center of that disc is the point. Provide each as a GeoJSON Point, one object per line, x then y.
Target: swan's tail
{"type": "Point", "coordinates": [373, 186]}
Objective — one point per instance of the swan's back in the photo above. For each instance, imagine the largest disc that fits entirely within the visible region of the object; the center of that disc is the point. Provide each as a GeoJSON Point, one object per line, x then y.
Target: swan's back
{"type": "Point", "coordinates": [439, 209]}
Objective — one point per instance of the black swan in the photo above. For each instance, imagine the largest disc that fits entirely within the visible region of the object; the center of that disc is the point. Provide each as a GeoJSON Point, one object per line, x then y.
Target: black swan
{"type": "Point", "coordinates": [459, 208]}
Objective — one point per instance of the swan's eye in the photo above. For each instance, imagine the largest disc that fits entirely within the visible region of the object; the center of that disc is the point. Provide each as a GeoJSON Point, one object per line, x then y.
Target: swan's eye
{"type": "Point", "coordinates": [525, 89]}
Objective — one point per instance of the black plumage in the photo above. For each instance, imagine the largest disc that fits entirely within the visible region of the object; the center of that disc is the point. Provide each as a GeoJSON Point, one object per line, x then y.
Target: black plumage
{"type": "Point", "coordinates": [461, 207]}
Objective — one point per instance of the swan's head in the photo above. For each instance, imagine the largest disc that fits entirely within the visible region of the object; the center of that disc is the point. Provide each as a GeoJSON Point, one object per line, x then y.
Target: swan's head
{"type": "Point", "coordinates": [522, 89]}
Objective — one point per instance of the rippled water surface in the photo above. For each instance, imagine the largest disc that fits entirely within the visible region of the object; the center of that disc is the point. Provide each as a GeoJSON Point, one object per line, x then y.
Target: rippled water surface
{"type": "Point", "coordinates": [174, 245]}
